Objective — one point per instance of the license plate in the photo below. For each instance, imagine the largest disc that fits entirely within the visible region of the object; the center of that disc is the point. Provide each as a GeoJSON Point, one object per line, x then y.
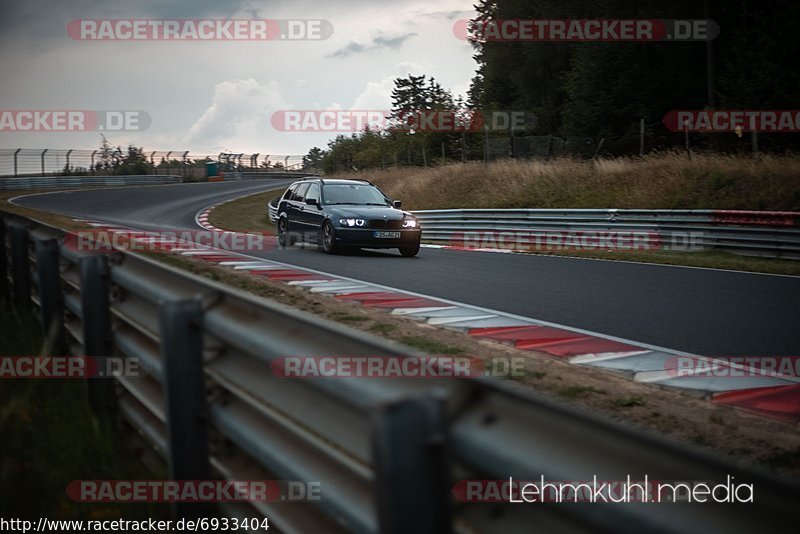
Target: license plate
{"type": "Point", "coordinates": [387, 235]}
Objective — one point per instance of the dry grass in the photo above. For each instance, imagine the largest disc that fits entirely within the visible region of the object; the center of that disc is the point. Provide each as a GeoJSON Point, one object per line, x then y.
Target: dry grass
{"type": "Point", "coordinates": [659, 181]}
{"type": "Point", "coordinates": [247, 214]}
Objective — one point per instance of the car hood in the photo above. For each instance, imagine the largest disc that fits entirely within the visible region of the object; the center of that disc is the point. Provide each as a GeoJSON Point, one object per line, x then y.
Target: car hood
{"type": "Point", "coordinates": [368, 212]}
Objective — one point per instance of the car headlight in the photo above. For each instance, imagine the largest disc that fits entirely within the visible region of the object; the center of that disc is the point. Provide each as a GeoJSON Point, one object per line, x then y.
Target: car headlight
{"type": "Point", "coordinates": [352, 222]}
{"type": "Point", "coordinates": [409, 223]}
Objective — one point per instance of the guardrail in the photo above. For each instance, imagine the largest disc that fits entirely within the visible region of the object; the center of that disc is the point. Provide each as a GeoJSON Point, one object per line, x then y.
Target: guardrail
{"type": "Point", "coordinates": [767, 234]}
{"type": "Point", "coordinates": [386, 452]}
{"type": "Point", "coordinates": [754, 233]}
{"type": "Point", "coordinates": [232, 176]}
{"type": "Point", "coordinates": [40, 182]}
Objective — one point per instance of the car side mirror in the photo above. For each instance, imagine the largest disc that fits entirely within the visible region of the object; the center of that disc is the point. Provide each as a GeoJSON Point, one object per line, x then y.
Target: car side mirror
{"type": "Point", "coordinates": [311, 201]}
{"type": "Point", "coordinates": [397, 204]}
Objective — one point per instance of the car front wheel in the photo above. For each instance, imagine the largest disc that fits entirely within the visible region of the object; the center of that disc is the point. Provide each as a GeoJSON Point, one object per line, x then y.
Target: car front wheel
{"type": "Point", "coordinates": [283, 232]}
{"type": "Point", "coordinates": [328, 238]}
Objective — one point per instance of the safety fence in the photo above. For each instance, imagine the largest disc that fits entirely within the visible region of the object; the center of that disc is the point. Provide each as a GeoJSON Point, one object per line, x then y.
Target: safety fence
{"type": "Point", "coordinates": [387, 453]}
{"type": "Point", "coordinates": [74, 162]}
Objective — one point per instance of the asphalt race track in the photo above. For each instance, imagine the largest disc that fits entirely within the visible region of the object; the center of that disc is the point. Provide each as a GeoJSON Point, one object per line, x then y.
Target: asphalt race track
{"type": "Point", "coordinates": [702, 311]}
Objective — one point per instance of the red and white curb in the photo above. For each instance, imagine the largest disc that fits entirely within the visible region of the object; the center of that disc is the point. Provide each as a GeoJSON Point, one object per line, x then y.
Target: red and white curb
{"type": "Point", "coordinates": [770, 394]}
{"type": "Point", "coordinates": [202, 220]}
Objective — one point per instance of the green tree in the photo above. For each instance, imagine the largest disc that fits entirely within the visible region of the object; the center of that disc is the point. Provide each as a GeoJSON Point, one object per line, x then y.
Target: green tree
{"type": "Point", "coordinates": [314, 159]}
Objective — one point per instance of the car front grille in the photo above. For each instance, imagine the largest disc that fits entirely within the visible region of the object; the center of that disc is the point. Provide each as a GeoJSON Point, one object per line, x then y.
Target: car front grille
{"type": "Point", "coordinates": [383, 223]}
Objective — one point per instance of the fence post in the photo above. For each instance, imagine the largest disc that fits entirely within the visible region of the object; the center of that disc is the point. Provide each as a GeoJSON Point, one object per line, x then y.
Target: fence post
{"type": "Point", "coordinates": [96, 321]}
{"type": "Point", "coordinates": [20, 266]}
{"type": "Point", "coordinates": [412, 474]}
{"type": "Point", "coordinates": [185, 155]}
{"type": "Point", "coordinates": [3, 261]}
{"type": "Point", "coordinates": [686, 142]}
{"type": "Point", "coordinates": [641, 137]}
{"type": "Point", "coordinates": [43, 153]}
{"type": "Point", "coordinates": [599, 147]}
{"type": "Point", "coordinates": [48, 279]}
{"type": "Point", "coordinates": [485, 145]}
{"type": "Point", "coordinates": [16, 152]}
{"type": "Point", "coordinates": [182, 360]}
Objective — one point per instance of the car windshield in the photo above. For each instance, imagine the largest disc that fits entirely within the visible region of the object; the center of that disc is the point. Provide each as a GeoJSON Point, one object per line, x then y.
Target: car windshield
{"type": "Point", "coordinates": [363, 194]}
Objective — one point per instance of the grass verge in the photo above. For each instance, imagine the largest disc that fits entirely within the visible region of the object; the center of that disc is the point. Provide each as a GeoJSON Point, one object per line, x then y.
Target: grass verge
{"type": "Point", "coordinates": [247, 214]}
{"type": "Point", "coordinates": [665, 180]}
{"type": "Point", "coordinates": [51, 438]}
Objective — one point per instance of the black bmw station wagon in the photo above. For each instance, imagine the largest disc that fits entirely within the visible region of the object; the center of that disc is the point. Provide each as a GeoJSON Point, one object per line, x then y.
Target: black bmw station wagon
{"type": "Point", "coordinates": [338, 214]}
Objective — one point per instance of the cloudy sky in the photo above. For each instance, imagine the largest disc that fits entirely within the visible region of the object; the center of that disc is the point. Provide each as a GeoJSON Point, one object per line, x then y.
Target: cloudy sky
{"type": "Point", "coordinates": [211, 96]}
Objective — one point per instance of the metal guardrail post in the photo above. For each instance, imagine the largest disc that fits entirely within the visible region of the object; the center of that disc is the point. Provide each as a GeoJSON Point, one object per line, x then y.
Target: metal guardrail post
{"type": "Point", "coordinates": [94, 279]}
{"type": "Point", "coordinates": [3, 261]}
{"type": "Point", "coordinates": [180, 325]}
{"type": "Point", "coordinates": [16, 166]}
{"type": "Point", "coordinates": [50, 295]}
{"type": "Point", "coordinates": [20, 266]}
{"type": "Point", "coordinates": [411, 465]}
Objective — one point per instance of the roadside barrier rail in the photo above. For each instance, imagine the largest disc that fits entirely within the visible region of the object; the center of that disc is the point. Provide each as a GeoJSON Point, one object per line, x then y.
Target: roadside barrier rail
{"type": "Point", "coordinates": [51, 182]}
{"type": "Point", "coordinates": [755, 233]}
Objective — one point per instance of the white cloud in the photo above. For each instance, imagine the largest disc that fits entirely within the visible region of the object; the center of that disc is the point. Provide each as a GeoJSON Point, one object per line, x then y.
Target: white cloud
{"type": "Point", "coordinates": [205, 97]}
{"type": "Point", "coordinates": [239, 115]}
